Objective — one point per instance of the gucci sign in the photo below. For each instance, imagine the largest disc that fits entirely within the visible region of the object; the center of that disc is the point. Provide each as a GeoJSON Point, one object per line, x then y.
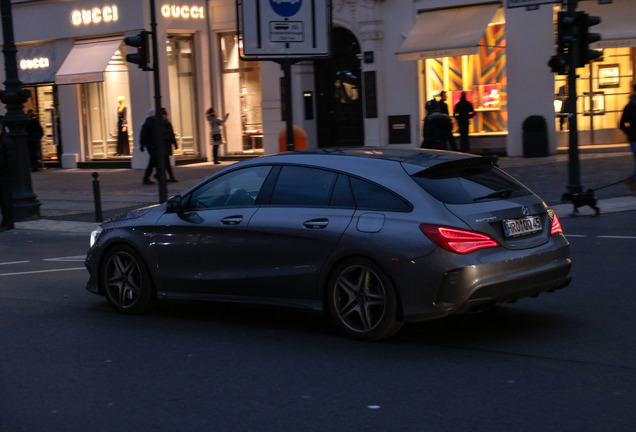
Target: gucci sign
{"type": "Point", "coordinates": [36, 63]}
{"type": "Point", "coordinates": [95, 15]}
{"type": "Point", "coordinates": [186, 12]}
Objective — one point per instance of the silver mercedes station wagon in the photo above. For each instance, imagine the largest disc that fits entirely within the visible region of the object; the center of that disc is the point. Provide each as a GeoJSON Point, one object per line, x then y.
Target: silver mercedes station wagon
{"type": "Point", "coordinates": [373, 236]}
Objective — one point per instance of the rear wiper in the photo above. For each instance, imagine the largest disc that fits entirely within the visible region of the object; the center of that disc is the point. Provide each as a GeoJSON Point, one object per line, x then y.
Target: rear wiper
{"type": "Point", "coordinates": [499, 194]}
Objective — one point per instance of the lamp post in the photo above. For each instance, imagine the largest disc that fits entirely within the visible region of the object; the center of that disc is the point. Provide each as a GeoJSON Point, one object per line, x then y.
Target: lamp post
{"type": "Point", "coordinates": [25, 203]}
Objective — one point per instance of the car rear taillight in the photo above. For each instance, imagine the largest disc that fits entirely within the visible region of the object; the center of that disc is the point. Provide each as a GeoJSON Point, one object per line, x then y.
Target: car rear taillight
{"type": "Point", "coordinates": [458, 240]}
{"type": "Point", "coordinates": [556, 225]}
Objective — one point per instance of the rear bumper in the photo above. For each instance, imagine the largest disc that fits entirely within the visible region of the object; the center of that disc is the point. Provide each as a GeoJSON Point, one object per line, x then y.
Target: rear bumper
{"type": "Point", "coordinates": [485, 284]}
{"type": "Point", "coordinates": [467, 290]}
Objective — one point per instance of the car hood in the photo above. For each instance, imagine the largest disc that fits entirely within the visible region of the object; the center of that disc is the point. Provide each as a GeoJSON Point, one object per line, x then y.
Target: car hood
{"type": "Point", "coordinates": [141, 214]}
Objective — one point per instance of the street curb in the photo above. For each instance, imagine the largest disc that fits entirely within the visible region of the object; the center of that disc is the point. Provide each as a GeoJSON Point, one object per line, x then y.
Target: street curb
{"type": "Point", "coordinates": [57, 225]}
{"type": "Point", "coordinates": [608, 205]}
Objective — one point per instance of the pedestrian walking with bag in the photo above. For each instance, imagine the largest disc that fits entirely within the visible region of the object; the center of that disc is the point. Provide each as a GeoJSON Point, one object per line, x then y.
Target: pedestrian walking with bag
{"type": "Point", "coordinates": [215, 130]}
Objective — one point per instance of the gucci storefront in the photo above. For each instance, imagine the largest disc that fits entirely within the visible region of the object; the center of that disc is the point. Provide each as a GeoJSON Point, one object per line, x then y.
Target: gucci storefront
{"type": "Point", "coordinates": [90, 102]}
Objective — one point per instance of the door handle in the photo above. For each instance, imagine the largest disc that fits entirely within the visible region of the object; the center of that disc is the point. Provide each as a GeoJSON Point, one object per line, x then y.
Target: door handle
{"type": "Point", "coordinates": [316, 223]}
{"type": "Point", "coordinates": [232, 220]}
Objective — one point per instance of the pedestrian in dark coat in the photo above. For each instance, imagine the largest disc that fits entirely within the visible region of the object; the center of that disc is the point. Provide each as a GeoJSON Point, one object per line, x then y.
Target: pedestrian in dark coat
{"type": "Point", "coordinates": [443, 107]}
{"type": "Point", "coordinates": [437, 130]}
{"type": "Point", "coordinates": [34, 133]}
{"type": "Point", "coordinates": [147, 141]}
{"type": "Point", "coordinates": [628, 125]}
{"type": "Point", "coordinates": [463, 112]}
{"type": "Point", "coordinates": [6, 191]}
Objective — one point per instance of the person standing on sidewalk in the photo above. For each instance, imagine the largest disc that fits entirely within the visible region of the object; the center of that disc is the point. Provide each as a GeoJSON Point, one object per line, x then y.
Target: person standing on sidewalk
{"type": "Point", "coordinates": [34, 133]}
{"type": "Point", "coordinates": [628, 125]}
{"type": "Point", "coordinates": [6, 191]}
{"type": "Point", "coordinates": [437, 129]}
{"type": "Point", "coordinates": [215, 130]}
{"type": "Point", "coordinates": [463, 112]}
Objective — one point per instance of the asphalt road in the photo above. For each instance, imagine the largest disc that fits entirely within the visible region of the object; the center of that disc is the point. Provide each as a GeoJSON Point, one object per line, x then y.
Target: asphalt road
{"type": "Point", "coordinates": [564, 361]}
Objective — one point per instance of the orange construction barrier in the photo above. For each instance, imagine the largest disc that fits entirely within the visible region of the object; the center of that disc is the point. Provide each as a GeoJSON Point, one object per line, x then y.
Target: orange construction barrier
{"type": "Point", "coordinates": [300, 139]}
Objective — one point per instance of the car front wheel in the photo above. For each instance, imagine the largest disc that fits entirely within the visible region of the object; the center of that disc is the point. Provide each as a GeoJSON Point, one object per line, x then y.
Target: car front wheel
{"type": "Point", "coordinates": [125, 281]}
{"type": "Point", "coordinates": [362, 300]}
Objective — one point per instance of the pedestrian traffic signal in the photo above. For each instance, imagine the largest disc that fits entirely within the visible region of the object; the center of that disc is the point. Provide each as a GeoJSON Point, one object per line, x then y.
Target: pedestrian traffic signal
{"type": "Point", "coordinates": [585, 38]}
{"type": "Point", "coordinates": [142, 57]}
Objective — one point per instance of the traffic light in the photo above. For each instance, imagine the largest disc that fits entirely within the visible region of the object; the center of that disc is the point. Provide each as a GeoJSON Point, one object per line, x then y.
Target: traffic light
{"type": "Point", "coordinates": [566, 35]}
{"type": "Point", "coordinates": [585, 38]}
{"type": "Point", "coordinates": [142, 57]}
{"type": "Point", "coordinates": [558, 64]}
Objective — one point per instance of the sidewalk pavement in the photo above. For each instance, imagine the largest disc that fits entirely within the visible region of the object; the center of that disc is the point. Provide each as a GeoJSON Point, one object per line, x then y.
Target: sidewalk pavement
{"type": "Point", "coordinates": [68, 202]}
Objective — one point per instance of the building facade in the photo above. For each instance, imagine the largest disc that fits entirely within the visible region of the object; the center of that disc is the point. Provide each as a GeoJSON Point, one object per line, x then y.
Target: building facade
{"type": "Point", "coordinates": [388, 58]}
{"type": "Point", "coordinates": [89, 100]}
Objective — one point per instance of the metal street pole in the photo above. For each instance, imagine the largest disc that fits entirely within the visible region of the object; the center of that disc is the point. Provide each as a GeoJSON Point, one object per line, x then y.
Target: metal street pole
{"type": "Point", "coordinates": [25, 203]}
{"type": "Point", "coordinates": [574, 167]}
{"type": "Point", "coordinates": [289, 120]}
{"type": "Point", "coordinates": [159, 129]}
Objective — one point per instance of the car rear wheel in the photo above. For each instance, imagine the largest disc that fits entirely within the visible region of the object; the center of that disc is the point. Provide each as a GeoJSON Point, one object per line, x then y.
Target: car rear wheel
{"type": "Point", "coordinates": [125, 281]}
{"type": "Point", "coordinates": [362, 300]}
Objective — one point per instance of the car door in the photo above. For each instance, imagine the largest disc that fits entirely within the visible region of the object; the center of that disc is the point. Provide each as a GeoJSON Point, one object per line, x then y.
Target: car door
{"type": "Point", "coordinates": [291, 236]}
{"type": "Point", "coordinates": [201, 249]}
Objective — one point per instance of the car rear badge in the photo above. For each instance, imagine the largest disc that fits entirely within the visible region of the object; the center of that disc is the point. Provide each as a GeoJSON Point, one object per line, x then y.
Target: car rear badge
{"type": "Point", "coordinates": [525, 211]}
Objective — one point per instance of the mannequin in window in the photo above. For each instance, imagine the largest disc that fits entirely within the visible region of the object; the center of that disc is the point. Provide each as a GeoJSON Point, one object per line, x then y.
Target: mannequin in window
{"type": "Point", "coordinates": [123, 145]}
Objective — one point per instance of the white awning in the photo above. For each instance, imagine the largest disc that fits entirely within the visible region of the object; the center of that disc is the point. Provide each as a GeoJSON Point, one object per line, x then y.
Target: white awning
{"type": "Point", "coordinates": [447, 32]}
{"type": "Point", "coordinates": [86, 62]}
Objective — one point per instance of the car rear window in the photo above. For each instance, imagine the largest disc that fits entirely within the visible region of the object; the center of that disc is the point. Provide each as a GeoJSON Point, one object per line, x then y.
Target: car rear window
{"type": "Point", "coordinates": [462, 182]}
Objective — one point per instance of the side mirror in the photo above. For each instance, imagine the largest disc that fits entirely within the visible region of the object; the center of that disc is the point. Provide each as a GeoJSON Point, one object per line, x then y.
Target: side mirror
{"type": "Point", "coordinates": [174, 204]}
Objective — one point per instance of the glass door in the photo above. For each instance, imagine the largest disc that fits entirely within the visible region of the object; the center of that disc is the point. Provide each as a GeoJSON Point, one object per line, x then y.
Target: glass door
{"type": "Point", "coordinates": [183, 93]}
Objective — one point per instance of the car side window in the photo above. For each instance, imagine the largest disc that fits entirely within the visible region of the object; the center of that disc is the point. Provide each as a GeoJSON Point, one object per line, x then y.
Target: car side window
{"type": "Point", "coordinates": [372, 197]}
{"type": "Point", "coordinates": [235, 189]}
{"type": "Point", "coordinates": [342, 195]}
{"type": "Point", "coordinates": [303, 186]}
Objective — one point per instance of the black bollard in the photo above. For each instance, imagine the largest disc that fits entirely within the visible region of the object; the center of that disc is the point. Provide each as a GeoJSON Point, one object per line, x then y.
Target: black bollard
{"type": "Point", "coordinates": [97, 197]}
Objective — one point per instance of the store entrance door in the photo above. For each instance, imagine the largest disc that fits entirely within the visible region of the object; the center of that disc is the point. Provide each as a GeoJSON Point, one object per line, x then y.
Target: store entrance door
{"type": "Point", "coordinates": [43, 102]}
{"type": "Point", "coordinates": [339, 99]}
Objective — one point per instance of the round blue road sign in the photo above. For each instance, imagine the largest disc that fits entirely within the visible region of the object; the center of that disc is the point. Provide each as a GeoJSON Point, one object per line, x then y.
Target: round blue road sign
{"type": "Point", "coordinates": [286, 8]}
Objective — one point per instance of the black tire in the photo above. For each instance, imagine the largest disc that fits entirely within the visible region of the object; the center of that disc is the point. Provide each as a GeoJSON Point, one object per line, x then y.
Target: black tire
{"type": "Point", "coordinates": [125, 281]}
{"type": "Point", "coordinates": [361, 300]}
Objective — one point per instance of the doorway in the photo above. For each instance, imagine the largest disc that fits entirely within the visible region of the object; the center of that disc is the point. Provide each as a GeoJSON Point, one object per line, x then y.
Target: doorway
{"type": "Point", "coordinates": [339, 96]}
{"type": "Point", "coordinates": [183, 94]}
{"type": "Point", "coordinates": [43, 102]}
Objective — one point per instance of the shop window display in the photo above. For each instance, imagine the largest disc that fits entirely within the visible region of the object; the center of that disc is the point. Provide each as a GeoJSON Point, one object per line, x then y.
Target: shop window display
{"type": "Point", "coordinates": [482, 76]}
{"type": "Point", "coordinates": [603, 88]}
{"type": "Point", "coordinates": [101, 104]}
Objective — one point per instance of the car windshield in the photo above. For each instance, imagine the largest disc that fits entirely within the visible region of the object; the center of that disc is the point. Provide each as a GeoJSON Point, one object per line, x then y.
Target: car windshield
{"type": "Point", "coordinates": [463, 182]}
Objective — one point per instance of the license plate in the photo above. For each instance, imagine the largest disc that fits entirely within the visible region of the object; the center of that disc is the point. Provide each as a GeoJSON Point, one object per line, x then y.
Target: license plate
{"type": "Point", "coordinates": [522, 226]}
